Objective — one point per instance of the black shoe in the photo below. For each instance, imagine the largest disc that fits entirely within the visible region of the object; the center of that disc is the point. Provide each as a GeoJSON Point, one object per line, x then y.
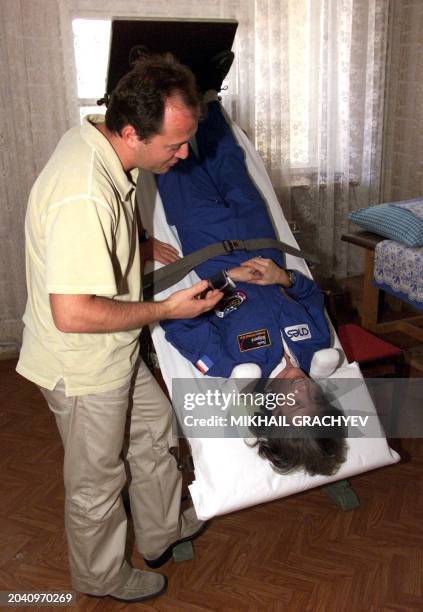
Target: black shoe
{"type": "Point", "coordinates": [216, 71]}
{"type": "Point", "coordinates": [167, 554]}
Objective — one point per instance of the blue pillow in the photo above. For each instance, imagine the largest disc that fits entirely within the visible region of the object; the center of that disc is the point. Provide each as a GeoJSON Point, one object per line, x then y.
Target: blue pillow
{"type": "Point", "coordinates": [399, 221]}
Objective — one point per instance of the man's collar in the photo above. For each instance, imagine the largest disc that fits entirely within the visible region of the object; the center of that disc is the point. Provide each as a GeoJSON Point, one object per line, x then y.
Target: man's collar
{"type": "Point", "coordinates": [111, 162]}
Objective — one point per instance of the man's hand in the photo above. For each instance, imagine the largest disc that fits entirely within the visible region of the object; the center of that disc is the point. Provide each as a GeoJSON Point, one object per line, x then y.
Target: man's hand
{"type": "Point", "coordinates": [187, 303]}
{"type": "Point", "coordinates": [266, 272]}
{"type": "Point", "coordinates": [156, 250]}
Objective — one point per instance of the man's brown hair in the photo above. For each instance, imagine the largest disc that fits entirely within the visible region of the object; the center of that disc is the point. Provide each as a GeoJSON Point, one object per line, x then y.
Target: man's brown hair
{"type": "Point", "coordinates": [140, 96]}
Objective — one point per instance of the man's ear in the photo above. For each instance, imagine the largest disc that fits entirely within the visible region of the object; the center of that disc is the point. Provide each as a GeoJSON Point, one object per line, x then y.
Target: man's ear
{"type": "Point", "coordinates": [129, 135]}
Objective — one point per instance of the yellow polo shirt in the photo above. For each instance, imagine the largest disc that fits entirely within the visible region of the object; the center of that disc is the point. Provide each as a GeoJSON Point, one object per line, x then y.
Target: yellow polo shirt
{"type": "Point", "coordinates": [81, 238]}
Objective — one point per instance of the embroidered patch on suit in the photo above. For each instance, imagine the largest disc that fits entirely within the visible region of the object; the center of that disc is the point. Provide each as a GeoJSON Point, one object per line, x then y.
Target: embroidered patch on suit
{"type": "Point", "coordinates": [298, 332]}
{"type": "Point", "coordinates": [254, 340]}
{"type": "Point", "coordinates": [204, 364]}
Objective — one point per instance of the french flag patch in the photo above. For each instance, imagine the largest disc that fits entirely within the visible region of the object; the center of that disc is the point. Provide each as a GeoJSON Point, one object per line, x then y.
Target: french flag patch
{"type": "Point", "coordinates": [204, 364]}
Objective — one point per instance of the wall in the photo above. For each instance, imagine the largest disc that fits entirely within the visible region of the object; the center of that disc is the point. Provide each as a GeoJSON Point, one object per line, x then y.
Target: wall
{"type": "Point", "coordinates": [33, 118]}
{"type": "Point", "coordinates": [403, 147]}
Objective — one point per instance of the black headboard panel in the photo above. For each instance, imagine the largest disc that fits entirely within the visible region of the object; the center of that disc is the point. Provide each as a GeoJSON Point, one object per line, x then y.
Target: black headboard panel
{"type": "Point", "coordinates": [194, 43]}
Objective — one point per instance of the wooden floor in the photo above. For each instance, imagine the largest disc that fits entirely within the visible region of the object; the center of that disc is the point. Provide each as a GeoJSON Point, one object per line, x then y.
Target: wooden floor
{"type": "Point", "coordinates": [297, 554]}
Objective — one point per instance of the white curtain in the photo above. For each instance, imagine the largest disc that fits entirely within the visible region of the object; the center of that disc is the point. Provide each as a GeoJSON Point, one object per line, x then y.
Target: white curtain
{"type": "Point", "coordinates": [307, 86]}
{"type": "Point", "coordinates": [318, 103]}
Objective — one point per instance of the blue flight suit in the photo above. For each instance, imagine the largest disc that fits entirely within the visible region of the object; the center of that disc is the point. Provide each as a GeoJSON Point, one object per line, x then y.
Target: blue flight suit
{"type": "Point", "coordinates": [210, 199]}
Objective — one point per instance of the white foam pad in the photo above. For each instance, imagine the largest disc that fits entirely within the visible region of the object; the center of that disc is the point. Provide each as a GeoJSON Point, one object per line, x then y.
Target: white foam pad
{"type": "Point", "coordinates": [229, 474]}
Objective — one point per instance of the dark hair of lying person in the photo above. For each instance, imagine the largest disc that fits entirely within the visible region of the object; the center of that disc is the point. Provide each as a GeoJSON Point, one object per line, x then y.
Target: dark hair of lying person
{"type": "Point", "coordinates": [140, 96]}
{"type": "Point", "coordinates": [316, 450]}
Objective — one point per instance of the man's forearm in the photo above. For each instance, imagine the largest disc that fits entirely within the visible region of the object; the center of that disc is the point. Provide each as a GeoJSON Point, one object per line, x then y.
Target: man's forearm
{"type": "Point", "coordinates": [95, 314]}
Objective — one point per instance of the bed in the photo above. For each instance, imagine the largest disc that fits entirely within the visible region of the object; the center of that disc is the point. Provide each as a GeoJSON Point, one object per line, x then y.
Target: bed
{"type": "Point", "coordinates": [407, 262]}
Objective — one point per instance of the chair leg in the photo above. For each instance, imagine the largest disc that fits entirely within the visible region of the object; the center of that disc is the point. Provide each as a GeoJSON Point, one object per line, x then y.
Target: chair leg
{"type": "Point", "coordinates": [400, 382]}
{"type": "Point", "coordinates": [183, 552]}
{"type": "Point", "coordinates": [342, 494]}
{"type": "Point", "coordinates": [402, 368]}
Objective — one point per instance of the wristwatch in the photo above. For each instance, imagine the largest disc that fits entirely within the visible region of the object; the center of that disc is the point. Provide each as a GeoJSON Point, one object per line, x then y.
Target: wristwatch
{"type": "Point", "coordinates": [292, 277]}
{"type": "Point", "coordinates": [222, 282]}
{"type": "Point", "coordinates": [143, 236]}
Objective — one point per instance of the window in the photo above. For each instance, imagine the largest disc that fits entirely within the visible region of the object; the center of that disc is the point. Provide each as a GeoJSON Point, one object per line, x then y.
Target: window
{"type": "Point", "coordinates": [91, 43]}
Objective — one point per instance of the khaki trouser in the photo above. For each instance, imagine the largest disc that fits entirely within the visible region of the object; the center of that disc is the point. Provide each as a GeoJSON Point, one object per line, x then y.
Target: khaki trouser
{"type": "Point", "coordinates": [92, 428]}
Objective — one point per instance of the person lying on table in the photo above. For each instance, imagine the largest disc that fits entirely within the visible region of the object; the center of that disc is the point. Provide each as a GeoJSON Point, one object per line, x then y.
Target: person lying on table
{"type": "Point", "coordinates": [270, 317]}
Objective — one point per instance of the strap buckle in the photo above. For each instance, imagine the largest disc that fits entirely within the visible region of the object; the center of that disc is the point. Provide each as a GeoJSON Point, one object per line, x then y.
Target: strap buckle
{"type": "Point", "coordinates": [234, 245]}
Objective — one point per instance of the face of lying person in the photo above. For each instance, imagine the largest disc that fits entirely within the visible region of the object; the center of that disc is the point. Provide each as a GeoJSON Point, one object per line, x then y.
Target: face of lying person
{"type": "Point", "coordinates": [305, 396]}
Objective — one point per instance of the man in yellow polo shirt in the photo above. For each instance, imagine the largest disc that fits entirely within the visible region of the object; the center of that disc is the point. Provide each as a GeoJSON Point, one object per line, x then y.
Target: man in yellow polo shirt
{"type": "Point", "coordinates": [82, 324]}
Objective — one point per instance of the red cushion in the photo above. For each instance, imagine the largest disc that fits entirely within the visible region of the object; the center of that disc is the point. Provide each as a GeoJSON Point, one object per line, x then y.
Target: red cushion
{"type": "Point", "coordinates": [361, 345]}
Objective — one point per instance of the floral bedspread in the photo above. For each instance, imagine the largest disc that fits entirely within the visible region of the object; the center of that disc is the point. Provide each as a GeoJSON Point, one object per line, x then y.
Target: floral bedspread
{"type": "Point", "coordinates": [398, 269]}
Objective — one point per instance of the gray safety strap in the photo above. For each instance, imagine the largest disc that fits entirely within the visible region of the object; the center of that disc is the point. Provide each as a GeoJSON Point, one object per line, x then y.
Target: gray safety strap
{"type": "Point", "coordinates": [159, 280]}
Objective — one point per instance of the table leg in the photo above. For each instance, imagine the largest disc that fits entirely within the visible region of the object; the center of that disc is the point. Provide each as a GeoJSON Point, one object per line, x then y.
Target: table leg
{"type": "Point", "coordinates": [370, 303]}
